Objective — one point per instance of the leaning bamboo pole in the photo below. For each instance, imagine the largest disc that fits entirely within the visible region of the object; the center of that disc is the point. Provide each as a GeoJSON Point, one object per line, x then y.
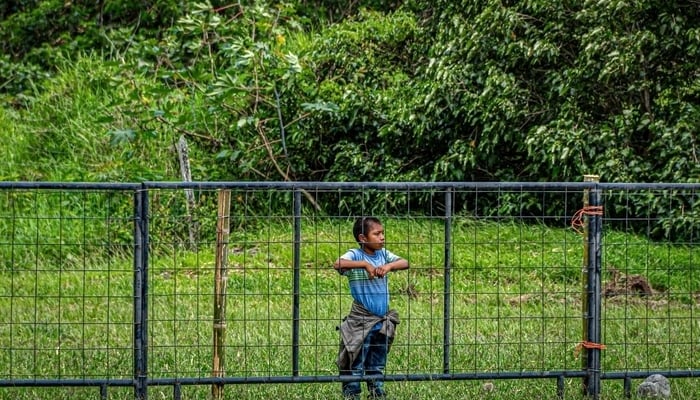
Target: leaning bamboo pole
{"type": "Point", "coordinates": [220, 278]}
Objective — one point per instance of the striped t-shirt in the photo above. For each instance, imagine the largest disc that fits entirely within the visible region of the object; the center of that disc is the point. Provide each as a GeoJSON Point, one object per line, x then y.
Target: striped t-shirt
{"type": "Point", "coordinates": [372, 294]}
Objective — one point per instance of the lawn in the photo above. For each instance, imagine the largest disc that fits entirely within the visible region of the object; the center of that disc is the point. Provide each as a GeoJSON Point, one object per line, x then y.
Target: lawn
{"type": "Point", "coordinates": [515, 306]}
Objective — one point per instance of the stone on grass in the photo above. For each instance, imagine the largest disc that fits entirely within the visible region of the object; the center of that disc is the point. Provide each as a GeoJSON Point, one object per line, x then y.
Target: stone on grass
{"type": "Point", "coordinates": [655, 386]}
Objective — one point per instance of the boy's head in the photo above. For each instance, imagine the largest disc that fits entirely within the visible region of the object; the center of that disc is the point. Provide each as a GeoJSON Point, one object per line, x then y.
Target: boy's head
{"type": "Point", "coordinates": [363, 226]}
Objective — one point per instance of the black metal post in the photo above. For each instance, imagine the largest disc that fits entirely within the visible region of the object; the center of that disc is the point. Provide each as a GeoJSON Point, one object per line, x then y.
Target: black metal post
{"type": "Point", "coordinates": [627, 385]}
{"type": "Point", "coordinates": [177, 391]}
{"type": "Point", "coordinates": [297, 267]}
{"type": "Point", "coordinates": [561, 387]}
{"type": "Point", "coordinates": [595, 227]}
{"type": "Point", "coordinates": [446, 335]}
{"type": "Point", "coordinates": [140, 294]}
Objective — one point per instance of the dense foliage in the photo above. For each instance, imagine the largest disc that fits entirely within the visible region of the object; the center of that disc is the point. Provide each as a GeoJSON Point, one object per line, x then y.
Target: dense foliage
{"type": "Point", "coordinates": [417, 90]}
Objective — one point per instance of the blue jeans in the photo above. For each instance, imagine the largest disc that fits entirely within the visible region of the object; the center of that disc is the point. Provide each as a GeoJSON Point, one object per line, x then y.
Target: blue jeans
{"type": "Point", "coordinates": [371, 361]}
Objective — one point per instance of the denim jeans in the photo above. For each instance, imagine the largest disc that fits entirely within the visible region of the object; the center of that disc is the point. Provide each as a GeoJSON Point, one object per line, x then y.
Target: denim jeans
{"type": "Point", "coordinates": [371, 361]}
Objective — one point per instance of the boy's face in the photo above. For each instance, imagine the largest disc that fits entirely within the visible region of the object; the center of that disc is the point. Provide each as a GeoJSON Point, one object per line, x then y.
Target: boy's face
{"type": "Point", "coordinates": [373, 239]}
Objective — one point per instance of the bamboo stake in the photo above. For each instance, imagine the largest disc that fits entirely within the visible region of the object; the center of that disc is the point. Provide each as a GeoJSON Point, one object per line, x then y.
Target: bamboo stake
{"type": "Point", "coordinates": [220, 278]}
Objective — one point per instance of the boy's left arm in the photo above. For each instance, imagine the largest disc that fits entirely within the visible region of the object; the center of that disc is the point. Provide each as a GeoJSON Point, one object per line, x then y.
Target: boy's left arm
{"type": "Point", "coordinates": [396, 265]}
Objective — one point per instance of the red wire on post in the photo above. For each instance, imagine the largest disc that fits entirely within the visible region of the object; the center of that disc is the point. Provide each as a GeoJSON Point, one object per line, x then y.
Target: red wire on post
{"type": "Point", "coordinates": [587, 345]}
{"type": "Point", "coordinates": [577, 219]}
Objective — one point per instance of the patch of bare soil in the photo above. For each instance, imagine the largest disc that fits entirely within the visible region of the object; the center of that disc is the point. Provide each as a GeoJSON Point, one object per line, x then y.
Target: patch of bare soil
{"type": "Point", "coordinates": [626, 285]}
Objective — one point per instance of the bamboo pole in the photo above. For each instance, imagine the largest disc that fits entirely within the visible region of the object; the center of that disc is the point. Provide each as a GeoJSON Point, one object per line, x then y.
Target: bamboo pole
{"type": "Point", "coordinates": [220, 278]}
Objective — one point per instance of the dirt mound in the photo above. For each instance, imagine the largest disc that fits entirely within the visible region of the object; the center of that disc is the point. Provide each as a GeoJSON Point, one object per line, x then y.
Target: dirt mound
{"type": "Point", "coordinates": [621, 284]}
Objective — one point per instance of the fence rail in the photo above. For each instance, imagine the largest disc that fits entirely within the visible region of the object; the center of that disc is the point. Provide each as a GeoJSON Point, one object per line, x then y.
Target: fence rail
{"type": "Point", "coordinates": [112, 286]}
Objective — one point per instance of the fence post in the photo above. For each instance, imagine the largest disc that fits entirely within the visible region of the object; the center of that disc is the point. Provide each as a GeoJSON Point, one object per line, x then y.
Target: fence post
{"type": "Point", "coordinates": [296, 282]}
{"type": "Point", "coordinates": [140, 294]}
{"type": "Point", "coordinates": [220, 283]}
{"type": "Point", "coordinates": [446, 336]}
{"type": "Point", "coordinates": [591, 346]}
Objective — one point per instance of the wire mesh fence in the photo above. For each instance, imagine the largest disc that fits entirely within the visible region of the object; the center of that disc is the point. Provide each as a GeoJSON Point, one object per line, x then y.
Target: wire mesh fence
{"type": "Point", "coordinates": [111, 290]}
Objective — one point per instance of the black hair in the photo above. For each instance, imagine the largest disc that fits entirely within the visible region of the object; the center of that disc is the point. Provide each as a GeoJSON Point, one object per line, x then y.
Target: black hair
{"type": "Point", "coordinates": [362, 225]}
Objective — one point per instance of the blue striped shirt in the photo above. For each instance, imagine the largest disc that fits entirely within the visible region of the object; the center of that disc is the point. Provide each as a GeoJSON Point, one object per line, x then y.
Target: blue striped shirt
{"type": "Point", "coordinates": [373, 294]}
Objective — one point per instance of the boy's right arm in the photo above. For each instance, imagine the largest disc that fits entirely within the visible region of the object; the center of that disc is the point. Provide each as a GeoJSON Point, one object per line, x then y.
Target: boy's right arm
{"type": "Point", "coordinates": [342, 264]}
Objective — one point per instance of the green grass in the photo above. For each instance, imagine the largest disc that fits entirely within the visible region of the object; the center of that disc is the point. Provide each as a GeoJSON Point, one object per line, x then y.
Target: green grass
{"type": "Point", "coordinates": [515, 296]}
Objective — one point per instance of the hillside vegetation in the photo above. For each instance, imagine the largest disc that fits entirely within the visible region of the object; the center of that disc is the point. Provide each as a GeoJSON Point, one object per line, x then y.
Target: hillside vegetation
{"type": "Point", "coordinates": [381, 90]}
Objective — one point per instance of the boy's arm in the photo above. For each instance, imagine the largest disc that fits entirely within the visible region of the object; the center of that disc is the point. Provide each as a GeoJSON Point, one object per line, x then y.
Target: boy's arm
{"type": "Point", "coordinates": [395, 265]}
{"type": "Point", "coordinates": [343, 264]}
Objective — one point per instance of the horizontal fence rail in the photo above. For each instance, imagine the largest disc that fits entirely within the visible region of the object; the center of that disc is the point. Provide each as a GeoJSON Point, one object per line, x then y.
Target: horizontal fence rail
{"type": "Point", "coordinates": [227, 289]}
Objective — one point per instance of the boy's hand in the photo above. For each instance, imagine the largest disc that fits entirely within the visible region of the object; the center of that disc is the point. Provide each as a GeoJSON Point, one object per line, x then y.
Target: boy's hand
{"type": "Point", "coordinates": [371, 271]}
{"type": "Point", "coordinates": [381, 271]}
{"type": "Point", "coordinates": [337, 267]}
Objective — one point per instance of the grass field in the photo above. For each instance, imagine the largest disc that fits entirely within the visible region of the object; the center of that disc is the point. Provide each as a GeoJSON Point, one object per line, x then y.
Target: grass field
{"type": "Point", "coordinates": [515, 300]}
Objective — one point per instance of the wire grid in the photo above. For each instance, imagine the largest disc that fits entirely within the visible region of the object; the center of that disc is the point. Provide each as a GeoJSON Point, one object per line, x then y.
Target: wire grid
{"type": "Point", "coordinates": [507, 300]}
{"type": "Point", "coordinates": [651, 288]}
{"type": "Point", "coordinates": [65, 306]}
{"type": "Point", "coordinates": [499, 285]}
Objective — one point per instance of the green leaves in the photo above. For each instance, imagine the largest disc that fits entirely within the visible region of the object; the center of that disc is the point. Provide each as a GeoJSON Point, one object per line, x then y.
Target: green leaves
{"type": "Point", "coordinates": [119, 136]}
{"type": "Point", "coordinates": [432, 90]}
{"type": "Point", "coordinates": [322, 106]}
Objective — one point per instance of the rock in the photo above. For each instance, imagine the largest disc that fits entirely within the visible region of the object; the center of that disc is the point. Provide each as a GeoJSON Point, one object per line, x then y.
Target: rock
{"type": "Point", "coordinates": [654, 387]}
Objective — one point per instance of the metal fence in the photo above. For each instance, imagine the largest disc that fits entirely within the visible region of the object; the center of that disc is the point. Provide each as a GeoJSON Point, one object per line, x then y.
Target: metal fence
{"type": "Point", "coordinates": [200, 290]}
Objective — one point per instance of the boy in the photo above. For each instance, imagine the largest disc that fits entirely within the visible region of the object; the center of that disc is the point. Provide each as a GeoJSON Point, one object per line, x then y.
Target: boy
{"type": "Point", "coordinates": [367, 332]}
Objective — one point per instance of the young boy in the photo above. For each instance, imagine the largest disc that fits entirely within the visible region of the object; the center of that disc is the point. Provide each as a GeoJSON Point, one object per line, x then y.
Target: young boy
{"type": "Point", "coordinates": [367, 332]}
